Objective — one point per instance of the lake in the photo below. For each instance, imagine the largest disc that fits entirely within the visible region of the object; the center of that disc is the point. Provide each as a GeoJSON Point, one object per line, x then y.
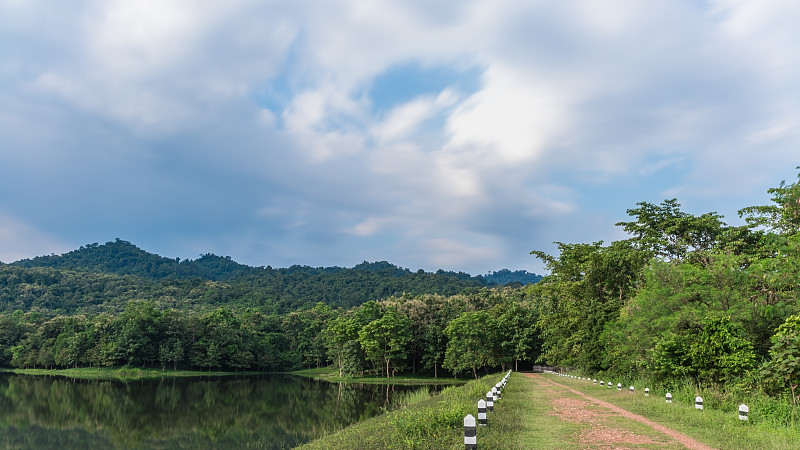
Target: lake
{"type": "Point", "coordinates": [265, 411]}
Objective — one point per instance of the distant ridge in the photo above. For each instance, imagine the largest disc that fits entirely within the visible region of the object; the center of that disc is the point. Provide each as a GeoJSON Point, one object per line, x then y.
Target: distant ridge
{"type": "Point", "coordinates": [121, 257]}
{"type": "Point", "coordinates": [96, 278]}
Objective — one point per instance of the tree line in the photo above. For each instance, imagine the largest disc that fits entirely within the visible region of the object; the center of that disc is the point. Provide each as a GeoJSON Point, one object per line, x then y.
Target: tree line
{"type": "Point", "coordinates": [485, 327]}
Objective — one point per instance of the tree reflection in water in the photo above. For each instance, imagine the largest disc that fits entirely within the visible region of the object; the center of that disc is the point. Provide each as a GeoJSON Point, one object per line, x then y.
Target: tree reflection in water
{"type": "Point", "coordinates": [268, 411]}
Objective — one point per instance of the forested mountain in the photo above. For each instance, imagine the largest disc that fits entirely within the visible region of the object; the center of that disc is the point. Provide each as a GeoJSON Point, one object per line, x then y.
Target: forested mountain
{"type": "Point", "coordinates": [97, 278]}
{"type": "Point", "coordinates": [123, 258]}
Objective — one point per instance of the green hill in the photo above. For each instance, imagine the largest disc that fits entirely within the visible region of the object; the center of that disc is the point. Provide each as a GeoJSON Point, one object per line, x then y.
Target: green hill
{"type": "Point", "coordinates": [97, 278]}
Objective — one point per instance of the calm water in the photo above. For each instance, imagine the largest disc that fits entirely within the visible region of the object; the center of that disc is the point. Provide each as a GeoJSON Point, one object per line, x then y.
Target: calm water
{"type": "Point", "coordinates": [275, 411]}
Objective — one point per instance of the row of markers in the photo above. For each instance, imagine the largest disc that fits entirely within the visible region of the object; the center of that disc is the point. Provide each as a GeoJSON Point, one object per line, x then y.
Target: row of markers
{"type": "Point", "coordinates": [470, 428]}
{"type": "Point", "coordinates": [698, 401]}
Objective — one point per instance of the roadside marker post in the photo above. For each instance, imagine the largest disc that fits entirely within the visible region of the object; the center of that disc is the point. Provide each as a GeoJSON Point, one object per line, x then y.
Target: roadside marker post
{"type": "Point", "coordinates": [489, 402]}
{"type": "Point", "coordinates": [470, 433]}
{"type": "Point", "coordinates": [647, 392]}
{"type": "Point", "coordinates": [669, 397]}
{"type": "Point", "coordinates": [743, 412]}
{"type": "Point", "coordinates": [482, 412]}
{"type": "Point", "coordinates": [631, 389]}
{"type": "Point", "coordinates": [698, 403]}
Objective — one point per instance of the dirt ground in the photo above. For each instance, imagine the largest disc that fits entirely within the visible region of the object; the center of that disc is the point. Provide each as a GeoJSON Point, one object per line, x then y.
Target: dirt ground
{"type": "Point", "coordinates": [601, 433]}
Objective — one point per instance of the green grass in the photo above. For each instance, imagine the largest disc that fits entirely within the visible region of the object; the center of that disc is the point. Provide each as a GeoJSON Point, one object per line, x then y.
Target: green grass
{"type": "Point", "coordinates": [332, 375]}
{"type": "Point", "coordinates": [431, 423]}
{"type": "Point", "coordinates": [718, 425]}
{"type": "Point", "coordinates": [405, 399]}
{"type": "Point", "coordinates": [118, 373]}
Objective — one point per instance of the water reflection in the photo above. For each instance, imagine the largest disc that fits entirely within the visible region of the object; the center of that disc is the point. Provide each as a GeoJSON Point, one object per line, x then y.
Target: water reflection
{"type": "Point", "coordinates": [276, 411]}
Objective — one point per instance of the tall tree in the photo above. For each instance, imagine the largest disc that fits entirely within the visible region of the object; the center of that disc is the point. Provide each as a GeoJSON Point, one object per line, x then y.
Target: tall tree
{"type": "Point", "coordinates": [385, 339]}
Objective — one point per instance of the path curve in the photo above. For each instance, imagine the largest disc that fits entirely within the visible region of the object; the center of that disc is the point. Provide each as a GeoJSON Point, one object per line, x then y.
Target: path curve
{"type": "Point", "coordinates": [685, 440]}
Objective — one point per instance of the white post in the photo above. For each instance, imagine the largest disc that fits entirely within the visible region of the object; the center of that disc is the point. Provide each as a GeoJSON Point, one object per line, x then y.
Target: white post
{"type": "Point", "coordinates": [669, 397]}
{"type": "Point", "coordinates": [743, 411]}
{"type": "Point", "coordinates": [494, 394]}
{"type": "Point", "coordinates": [698, 403]}
{"type": "Point", "coordinates": [490, 401]}
{"type": "Point", "coordinates": [594, 381]}
{"type": "Point", "coordinates": [631, 389]}
{"type": "Point", "coordinates": [470, 433]}
{"type": "Point", "coordinates": [601, 383]}
{"type": "Point", "coordinates": [619, 386]}
{"type": "Point", "coordinates": [647, 392]}
{"type": "Point", "coordinates": [482, 412]}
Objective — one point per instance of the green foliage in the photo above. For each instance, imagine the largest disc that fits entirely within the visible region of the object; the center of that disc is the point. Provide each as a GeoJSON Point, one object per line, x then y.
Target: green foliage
{"type": "Point", "coordinates": [686, 297]}
{"type": "Point", "coordinates": [384, 340]}
{"type": "Point", "coordinates": [784, 363]}
{"type": "Point", "coordinates": [583, 295]}
{"type": "Point", "coordinates": [783, 216]}
{"type": "Point", "coordinates": [666, 231]}
{"type": "Point", "coordinates": [472, 339]}
{"type": "Point", "coordinates": [710, 350]}
{"type": "Point", "coordinates": [105, 277]}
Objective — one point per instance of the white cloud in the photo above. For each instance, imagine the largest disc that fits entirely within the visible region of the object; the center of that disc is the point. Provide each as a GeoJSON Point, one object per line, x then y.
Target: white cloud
{"type": "Point", "coordinates": [512, 118]}
{"type": "Point", "coordinates": [154, 107]}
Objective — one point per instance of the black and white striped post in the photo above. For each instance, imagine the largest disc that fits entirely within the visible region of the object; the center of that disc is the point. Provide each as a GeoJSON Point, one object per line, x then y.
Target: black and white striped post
{"type": "Point", "coordinates": [698, 403]}
{"type": "Point", "coordinates": [601, 383]}
{"type": "Point", "coordinates": [594, 381]}
{"type": "Point", "coordinates": [743, 412]}
{"type": "Point", "coordinates": [470, 433]}
{"type": "Point", "coordinates": [631, 389]}
{"type": "Point", "coordinates": [499, 387]}
{"type": "Point", "coordinates": [494, 394]}
{"type": "Point", "coordinates": [609, 384]}
{"type": "Point", "coordinates": [490, 401]}
{"type": "Point", "coordinates": [619, 386]}
{"type": "Point", "coordinates": [669, 397]}
{"type": "Point", "coordinates": [647, 392]}
{"type": "Point", "coordinates": [482, 412]}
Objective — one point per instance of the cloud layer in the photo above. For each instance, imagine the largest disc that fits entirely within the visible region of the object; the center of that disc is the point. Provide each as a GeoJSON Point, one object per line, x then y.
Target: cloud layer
{"type": "Point", "coordinates": [458, 135]}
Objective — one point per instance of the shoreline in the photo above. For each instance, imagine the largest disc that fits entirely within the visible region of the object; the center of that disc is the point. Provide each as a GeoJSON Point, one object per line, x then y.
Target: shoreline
{"type": "Point", "coordinates": [121, 373]}
{"type": "Point", "coordinates": [332, 376]}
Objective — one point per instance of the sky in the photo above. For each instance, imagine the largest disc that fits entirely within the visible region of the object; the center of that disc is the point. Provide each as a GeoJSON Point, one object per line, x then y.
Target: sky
{"type": "Point", "coordinates": [458, 135]}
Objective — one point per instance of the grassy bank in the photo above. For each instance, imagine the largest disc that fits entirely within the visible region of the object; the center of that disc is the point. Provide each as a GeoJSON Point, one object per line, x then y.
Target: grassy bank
{"type": "Point", "coordinates": [427, 423]}
{"type": "Point", "coordinates": [332, 375]}
{"type": "Point", "coordinates": [119, 373]}
{"type": "Point", "coordinates": [717, 425]}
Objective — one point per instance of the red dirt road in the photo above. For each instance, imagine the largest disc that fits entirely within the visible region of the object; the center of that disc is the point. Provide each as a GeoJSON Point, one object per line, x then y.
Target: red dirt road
{"type": "Point", "coordinates": [576, 410]}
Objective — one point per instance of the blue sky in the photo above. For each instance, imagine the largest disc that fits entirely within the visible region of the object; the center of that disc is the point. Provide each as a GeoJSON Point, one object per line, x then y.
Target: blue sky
{"type": "Point", "coordinates": [455, 135]}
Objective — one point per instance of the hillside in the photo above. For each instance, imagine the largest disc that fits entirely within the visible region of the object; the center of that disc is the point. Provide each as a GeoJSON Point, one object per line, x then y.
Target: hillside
{"type": "Point", "coordinates": [96, 278]}
{"type": "Point", "coordinates": [123, 258]}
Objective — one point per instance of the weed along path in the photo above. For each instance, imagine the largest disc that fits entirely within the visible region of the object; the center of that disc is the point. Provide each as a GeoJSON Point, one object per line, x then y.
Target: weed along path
{"type": "Point", "coordinates": [563, 417]}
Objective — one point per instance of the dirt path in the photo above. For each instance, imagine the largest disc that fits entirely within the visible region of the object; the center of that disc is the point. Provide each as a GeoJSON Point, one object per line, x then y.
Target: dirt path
{"type": "Point", "coordinates": [600, 434]}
